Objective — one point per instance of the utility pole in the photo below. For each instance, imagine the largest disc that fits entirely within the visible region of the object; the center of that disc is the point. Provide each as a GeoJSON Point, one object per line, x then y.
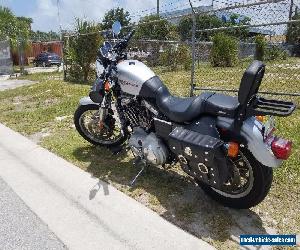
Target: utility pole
{"type": "Point", "coordinates": [58, 18]}
{"type": "Point", "coordinates": [157, 7]}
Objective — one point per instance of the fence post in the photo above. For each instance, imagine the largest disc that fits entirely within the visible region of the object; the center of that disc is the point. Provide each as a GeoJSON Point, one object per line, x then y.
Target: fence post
{"type": "Point", "coordinates": [193, 50]}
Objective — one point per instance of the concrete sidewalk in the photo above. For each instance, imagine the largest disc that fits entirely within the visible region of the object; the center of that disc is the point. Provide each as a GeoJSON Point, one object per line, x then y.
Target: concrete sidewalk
{"type": "Point", "coordinates": [14, 83]}
{"type": "Point", "coordinates": [83, 212]}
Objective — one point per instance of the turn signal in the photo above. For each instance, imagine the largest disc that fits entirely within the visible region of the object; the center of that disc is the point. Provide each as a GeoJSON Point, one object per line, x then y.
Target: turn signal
{"type": "Point", "coordinates": [233, 149]}
{"type": "Point", "coordinates": [107, 86]}
{"type": "Point", "coordinates": [281, 148]}
{"type": "Point", "coordinates": [261, 118]}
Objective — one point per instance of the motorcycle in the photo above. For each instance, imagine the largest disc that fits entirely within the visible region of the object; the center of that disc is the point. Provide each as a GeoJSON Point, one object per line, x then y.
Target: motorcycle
{"type": "Point", "coordinates": [227, 144]}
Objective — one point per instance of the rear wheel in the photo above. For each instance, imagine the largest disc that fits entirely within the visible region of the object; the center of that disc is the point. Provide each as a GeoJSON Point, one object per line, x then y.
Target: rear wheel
{"type": "Point", "coordinates": [255, 183]}
{"type": "Point", "coordinates": [87, 122]}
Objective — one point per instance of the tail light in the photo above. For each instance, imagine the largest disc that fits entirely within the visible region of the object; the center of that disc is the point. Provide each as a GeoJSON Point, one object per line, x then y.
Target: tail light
{"type": "Point", "coordinates": [107, 86]}
{"type": "Point", "coordinates": [281, 148]}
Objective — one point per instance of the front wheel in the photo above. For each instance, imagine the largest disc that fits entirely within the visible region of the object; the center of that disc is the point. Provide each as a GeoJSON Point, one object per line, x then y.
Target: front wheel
{"type": "Point", "coordinates": [87, 122]}
{"type": "Point", "coordinates": [256, 180]}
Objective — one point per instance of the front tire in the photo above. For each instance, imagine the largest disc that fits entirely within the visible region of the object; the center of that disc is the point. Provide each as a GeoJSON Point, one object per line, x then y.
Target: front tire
{"type": "Point", "coordinates": [89, 136]}
{"type": "Point", "coordinates": [260, 185]}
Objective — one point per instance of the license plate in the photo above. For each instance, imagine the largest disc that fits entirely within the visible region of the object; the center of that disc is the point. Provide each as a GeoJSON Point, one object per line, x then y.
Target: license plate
{"type": "Point", "coordinates": [269, 126]}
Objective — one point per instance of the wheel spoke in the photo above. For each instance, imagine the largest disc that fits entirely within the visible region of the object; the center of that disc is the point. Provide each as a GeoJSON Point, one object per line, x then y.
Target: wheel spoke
{"type": "Point", "coordinates": [245, 176]}
{"type": "Point", "coordinates": [111, 131]}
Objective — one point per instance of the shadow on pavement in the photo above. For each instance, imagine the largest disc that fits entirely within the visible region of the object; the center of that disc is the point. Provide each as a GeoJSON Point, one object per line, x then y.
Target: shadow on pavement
{"type": "Point", "coordinates": [173, 195]}
{"type": "Point", "coordinates": [96, 189]}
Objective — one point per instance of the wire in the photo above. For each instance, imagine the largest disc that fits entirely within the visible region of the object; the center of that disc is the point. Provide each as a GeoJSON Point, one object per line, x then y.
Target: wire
{"type": "Point", "coordinates": [139, 13]}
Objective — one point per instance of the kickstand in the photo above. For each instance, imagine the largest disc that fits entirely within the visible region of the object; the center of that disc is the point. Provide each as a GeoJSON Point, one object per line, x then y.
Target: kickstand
{"type": "Point", "coordinates": [138, 162]}
{"type": "Point", "coordinates": [135, 178]}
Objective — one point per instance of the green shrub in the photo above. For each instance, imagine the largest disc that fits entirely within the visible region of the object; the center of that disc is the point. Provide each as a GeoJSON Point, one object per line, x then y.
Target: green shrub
{"type": "Point", "coordinates": [260, 47]}
{"type": "Point", "coordinates": [265, 53]}
{"type": "Point", "coordinates": [165, 58]}
{"type": "Point", "coordinates": [81, 50]}
{"type": "Point", "coordinates": [275, 53]}
{"type": "Point", "coordinates": [187, 65]}
{"type": "Point", "coordinates": [224, 51]}
{"type": "Point", "coordinates": [175, 57]}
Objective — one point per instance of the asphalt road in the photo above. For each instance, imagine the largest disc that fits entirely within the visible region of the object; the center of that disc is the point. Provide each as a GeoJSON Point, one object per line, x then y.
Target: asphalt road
{"type": "Point", "coordinates": [20, 228]}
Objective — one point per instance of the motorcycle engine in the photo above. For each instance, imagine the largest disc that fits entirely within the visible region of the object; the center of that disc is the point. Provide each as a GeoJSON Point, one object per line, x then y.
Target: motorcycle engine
{"type": "Point", "coordinates": [148, 147]}
{"type": "Point", "coordinates": [136, 113]}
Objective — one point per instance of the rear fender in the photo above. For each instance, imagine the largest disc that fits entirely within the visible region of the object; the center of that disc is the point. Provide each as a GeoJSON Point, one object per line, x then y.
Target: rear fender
{"type": "Point", "coordinates": [251, 132]}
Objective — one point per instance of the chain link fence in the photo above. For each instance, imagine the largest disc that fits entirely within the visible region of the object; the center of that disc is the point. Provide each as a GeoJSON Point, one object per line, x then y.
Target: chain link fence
{"type": "Point", "coordinates": [264, 30]}
{"type": "Point", "coordinates": [227, 37]}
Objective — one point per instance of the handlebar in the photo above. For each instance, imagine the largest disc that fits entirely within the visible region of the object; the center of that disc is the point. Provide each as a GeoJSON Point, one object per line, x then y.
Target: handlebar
{"type": "Point", "coordinates": [129, 35]}
{"type": "Point", "coordinates": [117, 48]}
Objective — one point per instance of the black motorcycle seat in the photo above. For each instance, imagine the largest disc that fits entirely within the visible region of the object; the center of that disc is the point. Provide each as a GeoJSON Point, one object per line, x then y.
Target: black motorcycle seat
{"type": "Point", "coordinates": [222, 105]}
{"type": "Point", "coordinates": [185, 109]}
{"type": "Point", "coordinates": [180, 109]}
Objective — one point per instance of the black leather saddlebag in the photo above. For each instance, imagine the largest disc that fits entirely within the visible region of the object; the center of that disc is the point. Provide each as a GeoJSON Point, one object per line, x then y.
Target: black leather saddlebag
{"type": "Point", "coordinates": [97, 91]}
{"type": "Point", "coordinates": [201, 155]}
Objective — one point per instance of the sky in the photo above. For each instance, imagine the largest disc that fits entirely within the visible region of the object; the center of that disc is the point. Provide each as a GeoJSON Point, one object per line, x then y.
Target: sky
{"type": "Point", "coordinates": [45, 12]}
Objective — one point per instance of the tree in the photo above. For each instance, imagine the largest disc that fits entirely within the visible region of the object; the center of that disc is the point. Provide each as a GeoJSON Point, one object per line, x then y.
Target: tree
{"type": "Point", "coordinates": [16, 28]}
{"type": "Point", "coordinates": [82, 49]}
{"type": "Point", "coordinates": [44, 36]}
{"type": "Point", "coordinates": [212, 21]}
{"type": "Point", "coordinates": [154, 27]}
{"type": "Point", "coordinates": [8, 23]}
{"type": "Point", "coordinates": [185, 28]}
{"type": "Point", "coordinates": [202, 22]}
{"type": "Point", "coordinates": [118, 14]}
{"type": "Point", "coordinates": [238, 20]}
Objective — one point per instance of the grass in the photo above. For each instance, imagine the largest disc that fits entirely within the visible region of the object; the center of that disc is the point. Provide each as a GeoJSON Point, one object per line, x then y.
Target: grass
{"type": "Point", "coordinates": [32, 110]}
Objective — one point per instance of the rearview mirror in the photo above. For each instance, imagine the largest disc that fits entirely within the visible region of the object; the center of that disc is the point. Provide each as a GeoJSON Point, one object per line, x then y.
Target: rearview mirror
{"type": "Point", "coordinates": [116, 27]}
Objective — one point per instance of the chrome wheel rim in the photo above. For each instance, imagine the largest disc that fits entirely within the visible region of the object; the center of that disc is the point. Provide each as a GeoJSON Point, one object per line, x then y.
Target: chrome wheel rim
{"type": "Point", "coordinates": [89, 124]}
{"type": "Point", "coordinates": [247, 178]}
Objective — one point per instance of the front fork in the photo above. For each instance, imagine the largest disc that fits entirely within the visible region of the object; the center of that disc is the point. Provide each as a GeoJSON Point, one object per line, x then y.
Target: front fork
{"type": "Point", "coordinates": [104, 108]}
{"type": "Point", "coordinates": [103, 111]}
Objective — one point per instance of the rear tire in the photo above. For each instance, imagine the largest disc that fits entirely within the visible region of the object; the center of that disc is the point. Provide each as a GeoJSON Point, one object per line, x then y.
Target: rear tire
{"type": "Point", "coordinates": [262, 180]}
{"type": "Point", "coordinates": [77, 116]}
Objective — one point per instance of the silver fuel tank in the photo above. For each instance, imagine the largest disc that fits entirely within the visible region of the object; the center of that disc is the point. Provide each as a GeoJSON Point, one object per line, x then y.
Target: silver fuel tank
{"type": "Point", "coordinates": [132, 74]}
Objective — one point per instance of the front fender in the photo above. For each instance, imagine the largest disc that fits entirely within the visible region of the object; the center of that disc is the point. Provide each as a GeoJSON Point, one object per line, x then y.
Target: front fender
{"type": "Point", "coordinates": [86, 101]}
{"type": "Point", "coordinates": [251, 131]}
